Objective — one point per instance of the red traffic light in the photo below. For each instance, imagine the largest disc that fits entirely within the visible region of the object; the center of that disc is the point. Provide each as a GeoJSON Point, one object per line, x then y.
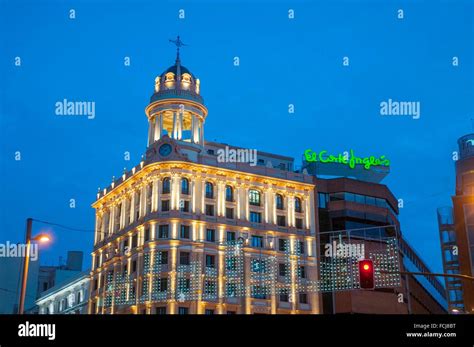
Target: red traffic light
{"type": "Point", "coordinates": [366, 274]}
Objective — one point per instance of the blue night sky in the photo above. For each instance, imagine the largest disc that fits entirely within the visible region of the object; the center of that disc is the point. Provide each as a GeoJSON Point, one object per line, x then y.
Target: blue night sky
{"type": "Point", "coordinates": [282, 62]}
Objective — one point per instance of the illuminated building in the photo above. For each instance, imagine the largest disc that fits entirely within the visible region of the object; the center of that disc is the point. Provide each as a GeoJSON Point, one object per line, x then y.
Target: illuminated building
{"type": "Point", "coordinates": [183, 232]}
{"type": "Point", "coordinates": [456, 227]}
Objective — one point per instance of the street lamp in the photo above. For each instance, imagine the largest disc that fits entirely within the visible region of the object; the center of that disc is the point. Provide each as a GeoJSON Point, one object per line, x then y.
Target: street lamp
{"type": "Point", "coordinates": [43, 238]}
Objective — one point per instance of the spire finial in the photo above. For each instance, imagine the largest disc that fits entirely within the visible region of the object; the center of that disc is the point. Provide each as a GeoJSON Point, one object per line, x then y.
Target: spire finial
{"type": "Point", "coordinates": [178, 44]}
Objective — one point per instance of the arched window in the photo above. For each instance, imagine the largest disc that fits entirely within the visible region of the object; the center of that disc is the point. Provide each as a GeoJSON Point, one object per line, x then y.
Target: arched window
{"type": "Point", "coordinates": [297, 204]}
{"type": "Point", "coordinates": [229, 193]}
{"type": "Point", "coordinates": [279, 202]}
{"type": "Point", "coordinates": [209, 190]}
{"type": "Point", "coordinates": [185, 186]}
{"type": "Point", "coordinates": [254, 197]}
{"type": "Point", "coordinates": [166, 185]}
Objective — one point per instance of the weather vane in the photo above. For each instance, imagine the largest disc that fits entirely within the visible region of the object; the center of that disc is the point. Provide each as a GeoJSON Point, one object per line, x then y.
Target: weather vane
{"type": "Point", "coordinates": [178, 44]}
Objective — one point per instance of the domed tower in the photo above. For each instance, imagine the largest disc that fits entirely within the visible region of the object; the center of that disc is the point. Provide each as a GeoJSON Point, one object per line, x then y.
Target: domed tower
{"type": "Point", "coordinates": [176, 107]}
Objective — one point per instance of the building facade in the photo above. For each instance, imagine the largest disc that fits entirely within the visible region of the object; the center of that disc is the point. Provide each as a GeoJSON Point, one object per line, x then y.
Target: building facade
{"type": "Point", "coordinates": [67, 297]}
{"type": "Point", "coordinates": [456, 228]}
{"type": "Point", "coordinates": [187, 231]}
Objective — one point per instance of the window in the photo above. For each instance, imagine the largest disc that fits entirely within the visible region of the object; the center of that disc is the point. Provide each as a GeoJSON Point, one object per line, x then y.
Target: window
{"type": "Point", "coordinates": [281, 221]}
{"type": "Point", "coordinates": [184, 232]}
{"type": "Point", "coordinates": [299, 223]}
{"type": "Point", "coordinates": [261, 162]}
{"type": "Point", "coordinates": [185, 186]}
{"type": "Point", "coordinates": [209, 190]}
{"type": "Point", "coordinates": [284, 297]}
{"type": "Point", "coordinates": [302, 272]}
{"type": "Point", "coordinates": [279, 202]}
{"type": "Point", "coordinates": [283, 245]}
{"type": "Point", "coordinates": [160, 310]}
{"type": "Point", "coordinates": [255, 217]}
{"type": "Point", "coordinates": [210, 151]}
{"type": "Point", "coordinates": [184, 258]}
{"type": "Point", "coordinates": [184, 206]}
{"type": "Point", "coordinates": [229, 194]}
{"type": "Point", "coordinates": [147, 234]}
{"type": "Point", "coordinates": [258, 292]}
{"type": "Point", "coordinates": [229, 213]}
{"type": "Point", "coordinates": [322, 200]}
{"type": "Point", "coordinates": [162, 284]}
{"type": "Point", "coordinates": [257, 241]}
{"type": "Point", "coordinates": [301, 247]}
{"type": "Point", "coordinates": [231, 236]}
{"type": "Point", "coordinates": [134, 241]}
{"type": "Point", "coordinates": [298, 205]}
{"type": "Point", "coordinates": [163, 258]}
{"type": "Point", "coordinates": [209, 210]}
{"type": "Point", "coordinates": [165, 205]}
{"type": "Point", "coordinates": [166, 185]}
{"type": "Point", "coordinates": [303, 298]}
{"type": "Point", "coordinates": [210, 261]}
{"type": "Point", "coordinates": [134, 266]}
{"type": "Point", "coordinates": [254, 197]}
{"type": "Point", "coordinates": [258, 265]}
{"type": "Point", "coordinates": [231, 264]}
{"type": "Point", "coordinates": [183, 310]}
{"type": "Point", "coordinates": [210, 288]}
{"type": "Point", "coordinates": [282, 270]}
{"type": "Point", "coordinates": [210, 235]}
{"type": "Point", "coordinates": [209, 311]}
{"type": "Point", "coordinates": [163, 231]}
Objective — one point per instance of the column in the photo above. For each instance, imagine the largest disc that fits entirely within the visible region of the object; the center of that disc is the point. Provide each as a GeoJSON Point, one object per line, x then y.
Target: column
{"type": "Point", "coordinates": [174, 136]}
{"type": "Point", "coordinates": [143, 200]}
{"type": "Point", "coordinates": [162, 115]}
{"type": "Point", "coordinates": [157, 130]}
{"type": "Point", "coordinates": [192, 128]}
{"type": "Point", "coordinates": [193, 192]}
{"type": "Point", "coordinates": [174, 252]}
{"type": "Point", "coordinates": [154, 196]}
{"type": "Point", "coordinates": [112, 220]}
{"type": "Point", "coordinates": [246, 203]}
{"type": "Point", "coordinates": [180, 130]}
{"type": "Point", "coordinates": [151, 125]}
{"type": "Point", "coordinates": [132, 208]}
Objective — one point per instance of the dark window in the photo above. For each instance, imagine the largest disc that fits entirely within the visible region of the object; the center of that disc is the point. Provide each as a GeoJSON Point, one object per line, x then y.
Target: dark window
{"type": "Point", "coordinates": [301, 247]}
{"type": "Point", "coordinates": [282, 270]}
{"type": "Point", "coordinates": [163, 260]}
{"type": "Point", "coordinates": [184, 258]}
{"type": "Point", "coordinates": [303, 298]}
{"type": "Point", "coordinates": [161, 310]}
{"type": "Point", "coordinates": [257, 241]}
{"type": "Point", "coordinates": [209, 210]}
{"type": "Point", "coordinates": [281, 221]}
{"type": "Point", "coordinates": [258, 292]}
{"type": "Point", "coordinates": [209, 190]}
{"type": "Point", "coordinates": [284, 295]}
{"type": "Point", "coordinates": [230, 236]}
{"type": "Point", "coordinates": [298, 205]}
{"type": "Point", "coordinates": [165, 205]}
{"type": "Point", "coordinates": [134, 266]}
{"type": "Point", "coordinates": [184, 232]}
{"type": "Point", "coordinates": [231, 263]}
{"type": "Point", "coordinates": [185, 186]}
{"type": "Point", "coordinates": [166, 185]}
{"type": "Point", "coordinates": [299, 223]}
{"type": "Point", "coordinates": [254, 197]}
{"type": "Point", "coordinates": [163, 284]}
{"type": "Point", "coordinates": [183, 310]}
{"type": "Point", "coordinates": [322, 200]}
{"type": "Point", "coordinates": [255, 217]}
{"type": "Point", "coordinates": [163, 231]}
{"type": "Point", "coordinates": [210, 261]}
{"type": "Point", "coordinates": [283, 245]}
{"type": "Point", "coordinates": [279, 202]}
{"type": "Point", "coordinates": [210, 151]}
{"type": "Point", "coordinates": [147, 234]}
{"type": "Point", "coordinates": [184, 206]}
{"type": "Point", "coordinates": [229, 193]}
{"type": "Point", "coordinates": [302, 272]}
{"type": "Point", "coordinates": [229, 213]}
{"type": "Point", "coordinates": [134, 241]}
{"type": "Point", "coordinates": [210, 235]}
{"type": "Point", "coordinates": [209, 311]}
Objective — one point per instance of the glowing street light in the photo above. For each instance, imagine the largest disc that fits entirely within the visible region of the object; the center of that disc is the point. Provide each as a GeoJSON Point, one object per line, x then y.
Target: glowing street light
{"type": "Point", "coordinates": [43, 238]}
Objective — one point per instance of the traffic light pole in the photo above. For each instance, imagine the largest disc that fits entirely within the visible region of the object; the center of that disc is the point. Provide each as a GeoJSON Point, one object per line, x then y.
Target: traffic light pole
{"type": "Point", "coordinates": [466, 277]}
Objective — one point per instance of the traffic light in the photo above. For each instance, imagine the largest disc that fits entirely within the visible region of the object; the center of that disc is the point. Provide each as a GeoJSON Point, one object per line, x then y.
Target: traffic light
{"type": "Point", "coordinates": [366, 274]}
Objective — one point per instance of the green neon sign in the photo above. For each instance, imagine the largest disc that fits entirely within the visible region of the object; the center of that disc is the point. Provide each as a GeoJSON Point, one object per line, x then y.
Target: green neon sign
{"type": "Point", "coordinates": [349, 159]}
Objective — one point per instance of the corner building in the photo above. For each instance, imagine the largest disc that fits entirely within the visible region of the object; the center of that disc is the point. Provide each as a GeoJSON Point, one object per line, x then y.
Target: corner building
{"type": "Point", "coordinates": [166, 230]}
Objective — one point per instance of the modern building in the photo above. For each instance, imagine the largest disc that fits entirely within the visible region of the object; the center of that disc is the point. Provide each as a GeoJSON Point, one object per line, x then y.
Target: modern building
{"type": "Point", "coordinates": [49, 276]}
{"type": "Point", "coordinates": [67, 297]}
{"type": "Point", "coordinates": [192, 229]}
{"type": "Point", "coordinates": [456, 227]}
{"type": "Point", "coordinates": [353, 204]}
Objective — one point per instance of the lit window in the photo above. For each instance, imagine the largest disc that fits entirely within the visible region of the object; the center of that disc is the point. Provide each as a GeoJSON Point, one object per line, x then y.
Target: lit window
{"type": "Point", "coordinates": [185, 186]}
{"type": "Point", "coordinates": [254, 197]}
{"type": "Point", "coordinates": [209, 190]}
{"type": "Point", "coordinates": [229, 194]}
{"type": "Point", "coordinates": [279, 202]}
{"type": "Point", "coordinates": [297, 205]}
{"type": "Point", "coordinates": [166, 185]}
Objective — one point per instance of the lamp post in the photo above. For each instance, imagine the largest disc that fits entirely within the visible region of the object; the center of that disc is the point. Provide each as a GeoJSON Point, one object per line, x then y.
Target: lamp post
{"type": "Point", "coordinates": [26, 262]}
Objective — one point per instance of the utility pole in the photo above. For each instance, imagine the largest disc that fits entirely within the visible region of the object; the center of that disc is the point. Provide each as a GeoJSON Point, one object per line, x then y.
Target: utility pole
{"type": "Point", "coordinates": [26, 262]}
